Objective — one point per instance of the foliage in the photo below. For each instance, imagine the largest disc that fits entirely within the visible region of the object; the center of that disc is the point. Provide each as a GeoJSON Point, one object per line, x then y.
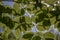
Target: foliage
{"type": "Point", "coordinates": [26, 14]}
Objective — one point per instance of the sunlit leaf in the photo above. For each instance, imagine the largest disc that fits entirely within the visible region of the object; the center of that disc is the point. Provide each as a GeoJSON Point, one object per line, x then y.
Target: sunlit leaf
{"type": "Point", "coordinates": [49, 35]}
{"type": "Point", "coordinates": [16, 8]}
{"type": "Point", "coordinates": [50, 2]}
{"type": "Point", "coordinates": [52, 20]}
{"type": "Point", "coordinates": [43, 12]}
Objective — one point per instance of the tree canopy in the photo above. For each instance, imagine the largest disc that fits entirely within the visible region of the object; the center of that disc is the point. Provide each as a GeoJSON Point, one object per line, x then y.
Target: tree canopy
{"type": "Point", "coordinates": [29, 19]}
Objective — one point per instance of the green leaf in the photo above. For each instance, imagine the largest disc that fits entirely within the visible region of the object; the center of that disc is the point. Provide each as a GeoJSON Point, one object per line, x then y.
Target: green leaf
{"type": "Point", "coordinates": [2, 9]}
{"type": "Point", "coordinates": [46, 23]}
{"type": "Point", "coordinates": [28, 20]}
{"type": "Point", "coordinates": [49, 39]}
{"type": "Point", "coordinates": [22, 11]}
{"type": "Point", "coordinates": [8, 10]}
{"type": "Point", "coordinates": [24, 26]}
{"type": "Point", "coordinates": [40, 17]}
{"type": "Point", "coordinates": [52, 20]}
{"type": "Point", "coordinates": [58, 17]}
{"type": "Point", "coordinates": [16, 8]}
{"type": "Point", "coordinates": [49, 35]}
{"type": "Point", "coordinates": [1, 39]}
{"type": "Point", "coordinates": [28, 35]}
{"type": "Point", "coordinates": [19, 1]}
{"type": "Point", "coordinates": [22, 19]}
{"type": "Point", "coordinates": [36, 38]}
{"type": "Point", "coordinates": [11, 36]}
{"type": "Point", "coordinates": [58, 25]}
{"type": "Point", "coordinates": [50, 2]}
{"type": "Point", "coordinates": [8, 22]}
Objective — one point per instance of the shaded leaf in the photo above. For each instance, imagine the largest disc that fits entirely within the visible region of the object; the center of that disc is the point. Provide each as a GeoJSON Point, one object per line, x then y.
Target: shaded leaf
{"type": "Point", "coordinates": [2, 9]}
{"type": "Point", "coordinates": [28, 36]}
{"type": "Point", "coordinates": [11, 35]}
{"type": "Point", "coordinates": [22, 11]}
{"type": "Point", "coordinates": [58, 18]}
{"type": "Point", "coordinates": [40, 17]}
{"type": "Point", "coordinates": [49, 39]}
{"type": "Point", "coordinates": [1, 39]}
{"type": "Point", "coordinates": [8, 10]}
{"type": "Point", "coordinates": [36, 38]}
{"type": "Point", "coordinates": [24, 26]}
{"type": "Point", "coordinates": [58, 25]}
{"type": "Point", "coordinates": [8, 22]}
{"type": "Point", "coordinates": [22, 19]}
{"type": "Point", "coordinates": [46, 23]}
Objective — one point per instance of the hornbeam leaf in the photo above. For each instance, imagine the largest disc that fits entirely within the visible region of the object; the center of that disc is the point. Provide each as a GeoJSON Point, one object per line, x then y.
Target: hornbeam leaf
{"type": "Point", "coordinates": [8, 22]}
{"type": "Point", "coordinates": [50, 2]}
{"type": "Point", "coordinates": [8, 10]}
{"type": "Point", "coordinates": [36, 38]}
{"type": "Point", "coordinates": [52, 20]}
{"type": "Point", "coordinates": [2, 9]}
{"type": "Point", "coordinates": [46, 23]}
{"type": "Point", "coordinates": [22, 11]}
{"type": "Point", "coordinates": [16, 8]}
{"type": "Point", "coordinates": [58, 25]}
{"type": "Point", "coordinates": [1, 39]}
{"type": "Point", "coordinates": [49, 35]}
{"type": "Point", "coordinates": [22, 19]}
{"type": "Point", "coordinates": [28, 35]}
{"type": "Point", "coordinates": [49, 39]}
